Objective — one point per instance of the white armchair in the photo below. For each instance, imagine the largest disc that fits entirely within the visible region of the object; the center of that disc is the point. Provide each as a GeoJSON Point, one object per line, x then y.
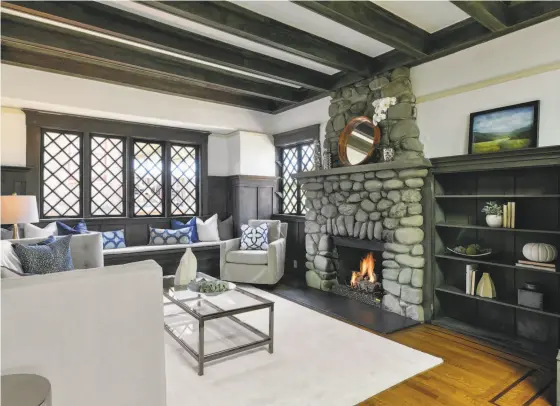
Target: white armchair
{"type": "Point", "coordinates": [260, 267]}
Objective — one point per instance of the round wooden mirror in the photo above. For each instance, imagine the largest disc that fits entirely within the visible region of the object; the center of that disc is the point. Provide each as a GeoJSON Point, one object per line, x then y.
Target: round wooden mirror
{"type": "Point", "coordinates": [357, 141]}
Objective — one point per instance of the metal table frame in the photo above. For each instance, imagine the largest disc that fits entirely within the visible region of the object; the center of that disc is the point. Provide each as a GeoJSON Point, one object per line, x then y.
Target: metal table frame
{"type": "Point", "coordinates": [200, 355]}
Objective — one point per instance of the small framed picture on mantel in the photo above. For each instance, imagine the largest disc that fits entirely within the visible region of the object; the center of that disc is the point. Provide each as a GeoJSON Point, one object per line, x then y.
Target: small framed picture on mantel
{"type": "Point", "coordinates": [504, 129]}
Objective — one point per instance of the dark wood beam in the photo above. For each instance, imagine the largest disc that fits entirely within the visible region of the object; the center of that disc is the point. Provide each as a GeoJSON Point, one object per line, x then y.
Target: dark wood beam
{"type": "Point", "coordinates": [491, 14]}
{"type": "Point", "coordinates": [236, 20]}
{"type": "Point", "coordinates": [373, 21]}
{"type": "Point", "coordinates": [29, 56]}
{"type": "Point", "coordinates": [524, 13]}
{"type": "Point", "coordinates": [132, 58]}
{"type": "Point", "coordinates": [112, 21]}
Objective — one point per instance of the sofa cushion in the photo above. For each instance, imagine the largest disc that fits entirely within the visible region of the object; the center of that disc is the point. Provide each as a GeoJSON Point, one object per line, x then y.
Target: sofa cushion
{"type": "Point", "coordinates": [273, 228]}
{"type": "Point", "coordinates": [165, 236]}
{"type": "Point", "coordinates": [113, 239]}
{"type": "Point", "coordinates": [10, 260]}
{"type": "Point", "coordinates": [65, 229]}
{"type": "Point", "coordinates": [31, 231]}
{"type": "Point", "coordinates": [208, 230]}
{"type": "Point", "coordinates": [45, 257]}
{"type": "Point", "coordinates": [254, 238]}
{"type": "Point", "coordinates": [177, 225]}
{"type": "Point", "coordinates": [247, 257]}
{"type": "Point", "coordinates": [225, 229]}
{"type": "Point", "coordinates": [152, 248]}
{"type": "Point", "coordinates": [86, 249]}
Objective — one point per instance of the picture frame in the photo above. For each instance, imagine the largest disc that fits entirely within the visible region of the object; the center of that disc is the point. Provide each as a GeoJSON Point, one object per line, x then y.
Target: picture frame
{"type": "Point", "coordinates": [504, 128]}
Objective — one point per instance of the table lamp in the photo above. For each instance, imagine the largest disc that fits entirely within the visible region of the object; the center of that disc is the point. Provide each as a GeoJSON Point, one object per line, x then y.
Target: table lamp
{"type": "Point", "coordinates": [17, 209]}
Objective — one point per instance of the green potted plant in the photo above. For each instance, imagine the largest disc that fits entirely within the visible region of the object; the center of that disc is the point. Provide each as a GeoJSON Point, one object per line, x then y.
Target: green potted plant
{"type": "Point", "coordinates": [493, 213]}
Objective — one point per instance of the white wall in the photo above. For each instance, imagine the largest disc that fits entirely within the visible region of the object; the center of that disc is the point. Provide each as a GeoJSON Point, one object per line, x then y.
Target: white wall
{"type": "Point", "coordinates": [34, 89]}
{"type": "Point", "coordinates": [519, 67]}
{"type": "Point", "coordinates": [13, 137]}
{"type": "Point", "coordinates": [241, 153]}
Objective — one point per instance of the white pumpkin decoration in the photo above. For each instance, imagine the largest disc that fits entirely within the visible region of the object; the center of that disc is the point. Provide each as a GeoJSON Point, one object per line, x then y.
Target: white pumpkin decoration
{"type": "Point", "coordinates": [539, 252]}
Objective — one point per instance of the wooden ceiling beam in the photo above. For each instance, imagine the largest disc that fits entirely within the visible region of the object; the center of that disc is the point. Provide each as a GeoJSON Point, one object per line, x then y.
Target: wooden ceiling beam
{"type": "Point", "coordinates": [490, 14]}
{"type": "Point", "coordinates": [29, 56]}
{"type": "Point", "coordinates": [110, 52]}
{"type": "Point", "coordinates": [373, 21]}
{"type": "Point", "coordinates": [112, 21]}
{"type": "Point", "coordinates": [239, 21]}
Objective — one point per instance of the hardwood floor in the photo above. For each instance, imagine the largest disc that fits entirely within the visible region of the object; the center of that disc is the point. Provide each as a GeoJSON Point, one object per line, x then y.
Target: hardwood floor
{"type": "Point", "coordinates": [472, 374]}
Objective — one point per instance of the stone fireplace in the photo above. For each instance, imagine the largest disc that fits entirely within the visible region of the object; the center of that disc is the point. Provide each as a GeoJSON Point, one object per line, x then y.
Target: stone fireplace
{"type": "Point", "coordinates": [373, 208]}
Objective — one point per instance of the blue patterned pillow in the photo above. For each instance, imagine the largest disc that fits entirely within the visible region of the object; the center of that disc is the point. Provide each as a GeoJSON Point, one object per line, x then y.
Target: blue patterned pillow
{"type": "Point", "coordinates": [177, 225]}
{"type": "Point", "coordinates": [113, 239]}
{"type": "Point", "coordinates": [254, 238]}
{"type": "Point", "coordinates": [64, 229]}
{"type": "Point", "coordinates": [164, 236]}
{"type": "Point", "coordinates": [46, 257]}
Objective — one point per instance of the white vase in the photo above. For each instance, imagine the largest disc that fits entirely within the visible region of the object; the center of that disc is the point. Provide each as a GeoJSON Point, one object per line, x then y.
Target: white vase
{"type": "Point", "coordinates": [493, 220]}
{"type": "Point", "coordinates": [186, 271]}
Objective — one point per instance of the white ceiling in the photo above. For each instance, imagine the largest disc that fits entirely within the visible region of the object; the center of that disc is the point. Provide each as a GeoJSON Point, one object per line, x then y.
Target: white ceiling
{"type": "Point", "coordinates": [431, 16]}
{"type": "Point", "coordinates": [306, 20]}
{"type": "Point", "coordinates": [213, 33]}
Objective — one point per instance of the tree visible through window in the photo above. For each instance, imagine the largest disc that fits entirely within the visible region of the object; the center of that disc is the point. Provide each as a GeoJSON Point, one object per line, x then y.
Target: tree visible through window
{"type": "Point", "coordinates": [148, 179]}
{"type": "Point", "coordinates": [295, 159]}
{"type": "Point", "coordinates": [61, 188]}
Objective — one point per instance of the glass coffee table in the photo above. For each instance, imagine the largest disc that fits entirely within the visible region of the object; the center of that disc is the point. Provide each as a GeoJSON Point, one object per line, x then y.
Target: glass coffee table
{"type": "Point", "coordinates": [207, 327]}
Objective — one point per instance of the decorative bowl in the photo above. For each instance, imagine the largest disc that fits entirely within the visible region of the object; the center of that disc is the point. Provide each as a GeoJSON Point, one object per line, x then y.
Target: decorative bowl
{"type": "Point", "coordinates": [486, 252]}
{"type": "Point", "coordinates": [197, 286]}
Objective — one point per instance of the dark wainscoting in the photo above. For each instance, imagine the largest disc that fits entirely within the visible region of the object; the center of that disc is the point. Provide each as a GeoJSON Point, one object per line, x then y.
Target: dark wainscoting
{"type": "Point", "coordinates": [14, 179]}
{"type": "Point", "coordinates": [295, 244]}
{"type": "Point", "coordinates": [208, 259]}
{"type": "Point", "coordinates": [251, 197]}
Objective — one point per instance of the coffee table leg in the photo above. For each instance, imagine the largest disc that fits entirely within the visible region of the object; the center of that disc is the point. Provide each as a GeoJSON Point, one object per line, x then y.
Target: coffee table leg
{"type": "Point", "coordinates": [201, 347]}
{"type": "Point", "coordinates": [271, 329]}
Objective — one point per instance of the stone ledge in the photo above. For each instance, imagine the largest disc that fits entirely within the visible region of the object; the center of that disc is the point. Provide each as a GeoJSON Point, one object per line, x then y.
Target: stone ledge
{"type": "Point", "coordinates": [419, 163]}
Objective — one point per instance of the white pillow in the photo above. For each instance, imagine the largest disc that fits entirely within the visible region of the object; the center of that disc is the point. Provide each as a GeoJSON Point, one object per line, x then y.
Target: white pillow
{"type": "Point", "coordinates": [9, 259]}
{"type": "Point", "coordinates": [208, 230]}
{"type": "Point", "coordinates": [31, 231]}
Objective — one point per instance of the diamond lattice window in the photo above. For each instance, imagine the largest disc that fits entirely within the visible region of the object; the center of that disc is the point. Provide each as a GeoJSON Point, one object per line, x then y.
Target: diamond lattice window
{"type": "Point", "coordinates": [289, 185]}
{"type": "Point", "coordinates": [148, 179]}
{"type": "Point", "coordinates": [107, 176]}
{"type": "Point", "coordinates": [295, 159]}
{"type": "Point", "coordinates": [184, 181]}
{"type": "Point", "coordinates": [61, 188]}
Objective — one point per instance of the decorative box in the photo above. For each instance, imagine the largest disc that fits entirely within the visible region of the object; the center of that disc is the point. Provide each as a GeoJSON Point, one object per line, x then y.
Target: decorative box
{"type": "Point", "coordinates": [530, 297]}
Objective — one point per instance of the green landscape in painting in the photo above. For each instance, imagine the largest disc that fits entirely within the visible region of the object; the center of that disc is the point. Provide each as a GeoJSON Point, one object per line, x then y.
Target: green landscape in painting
{"type": "Point", "coordinates": [503, 130]}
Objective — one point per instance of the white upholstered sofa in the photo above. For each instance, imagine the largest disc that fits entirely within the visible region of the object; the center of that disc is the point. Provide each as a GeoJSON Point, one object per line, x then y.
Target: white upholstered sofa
{"type": "Point", "coordinates": [96, 334]}
{"type": "Point", "coordinates": [259, 267]}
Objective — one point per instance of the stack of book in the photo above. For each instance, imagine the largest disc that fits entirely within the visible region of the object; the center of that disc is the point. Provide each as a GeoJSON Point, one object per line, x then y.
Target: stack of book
{"type": "Point", "coordinates": [508, 218]}
{"type": "Point", "coordinates": [471, 280]}
{"type": "Point", "coordinates": [536, 265]}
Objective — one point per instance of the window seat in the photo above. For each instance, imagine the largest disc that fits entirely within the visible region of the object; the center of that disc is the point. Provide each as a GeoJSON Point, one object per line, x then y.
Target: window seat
{"type": "Point", "coordinates": [151, 248]}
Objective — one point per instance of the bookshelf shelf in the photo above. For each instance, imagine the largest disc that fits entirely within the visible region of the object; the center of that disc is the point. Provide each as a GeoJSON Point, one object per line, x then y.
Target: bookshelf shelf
{"type": "Point", "coordinates": [456, 291]}
{"type": "Point", "coordinates": [516, 230]}
{"type": "Point", "coordinates": [527, 196]}
{"type": "Point", "coordinates": [501, 264]}
{"type": "Point", "coordinates": [462, 186]}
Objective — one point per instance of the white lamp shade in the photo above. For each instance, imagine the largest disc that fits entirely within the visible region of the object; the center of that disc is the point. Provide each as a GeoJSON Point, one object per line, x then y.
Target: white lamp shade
{"type": "Point", "coordinates": [17, 209]}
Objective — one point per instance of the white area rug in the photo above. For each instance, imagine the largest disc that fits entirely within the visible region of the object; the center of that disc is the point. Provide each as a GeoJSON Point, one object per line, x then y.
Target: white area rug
{"type": "Point", "coordinates": [317, 360]}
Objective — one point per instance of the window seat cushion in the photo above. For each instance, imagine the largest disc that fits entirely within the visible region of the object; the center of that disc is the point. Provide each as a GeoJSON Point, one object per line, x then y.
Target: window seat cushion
{"type": "Point", "coordinates": [151, 248]}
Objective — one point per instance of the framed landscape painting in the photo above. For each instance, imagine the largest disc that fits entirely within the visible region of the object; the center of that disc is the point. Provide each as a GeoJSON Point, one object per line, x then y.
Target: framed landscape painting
{"type": "Point", "coordinates": [504, 128]}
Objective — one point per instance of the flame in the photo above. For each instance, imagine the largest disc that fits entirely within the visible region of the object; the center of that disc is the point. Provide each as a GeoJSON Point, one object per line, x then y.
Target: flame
{"type": "Point", "coordinates": [367, 265]}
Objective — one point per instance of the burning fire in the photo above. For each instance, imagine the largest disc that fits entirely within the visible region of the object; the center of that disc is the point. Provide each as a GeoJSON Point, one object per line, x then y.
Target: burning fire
{"type": "Point", "coordinates": [367, 264]}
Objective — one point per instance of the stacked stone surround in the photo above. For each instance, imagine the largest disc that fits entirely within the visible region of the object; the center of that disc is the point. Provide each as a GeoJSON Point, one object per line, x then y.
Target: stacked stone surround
{"type": "Point", "coordinates": [399, 130]}
{"type": "Point", "coordinates": [374, 202]}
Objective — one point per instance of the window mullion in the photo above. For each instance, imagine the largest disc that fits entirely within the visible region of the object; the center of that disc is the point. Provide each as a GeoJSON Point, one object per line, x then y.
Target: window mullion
{"type": "Point", "coordinates": [299, 208]}
{"type": "Point", "coordinates": [86, 175]}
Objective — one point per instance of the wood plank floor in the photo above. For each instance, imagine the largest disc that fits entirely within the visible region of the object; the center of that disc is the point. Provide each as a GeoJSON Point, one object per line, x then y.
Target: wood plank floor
{"type": "Point", "coordinates": [472, 373]}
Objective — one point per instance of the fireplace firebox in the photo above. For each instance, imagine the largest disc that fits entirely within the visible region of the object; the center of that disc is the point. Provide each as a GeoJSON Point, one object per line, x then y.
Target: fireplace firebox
{"type": "Point", "coordinates": [359, 273]}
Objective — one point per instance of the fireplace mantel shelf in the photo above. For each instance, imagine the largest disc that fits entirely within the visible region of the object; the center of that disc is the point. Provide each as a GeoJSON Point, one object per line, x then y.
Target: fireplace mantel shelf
{"type": "Point", "coordinates": [418, 163]}
{"type": "Point", "coordinates": [371, 245]}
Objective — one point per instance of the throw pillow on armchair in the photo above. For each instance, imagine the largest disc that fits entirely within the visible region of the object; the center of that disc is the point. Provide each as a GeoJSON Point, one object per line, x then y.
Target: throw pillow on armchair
{"type": "Point", "coordinates": [254, 238]}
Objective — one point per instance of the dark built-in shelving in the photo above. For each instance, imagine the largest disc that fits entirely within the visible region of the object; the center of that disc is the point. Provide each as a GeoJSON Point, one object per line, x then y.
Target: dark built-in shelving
{"type": "Point", "coordinates": [462, 186]}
